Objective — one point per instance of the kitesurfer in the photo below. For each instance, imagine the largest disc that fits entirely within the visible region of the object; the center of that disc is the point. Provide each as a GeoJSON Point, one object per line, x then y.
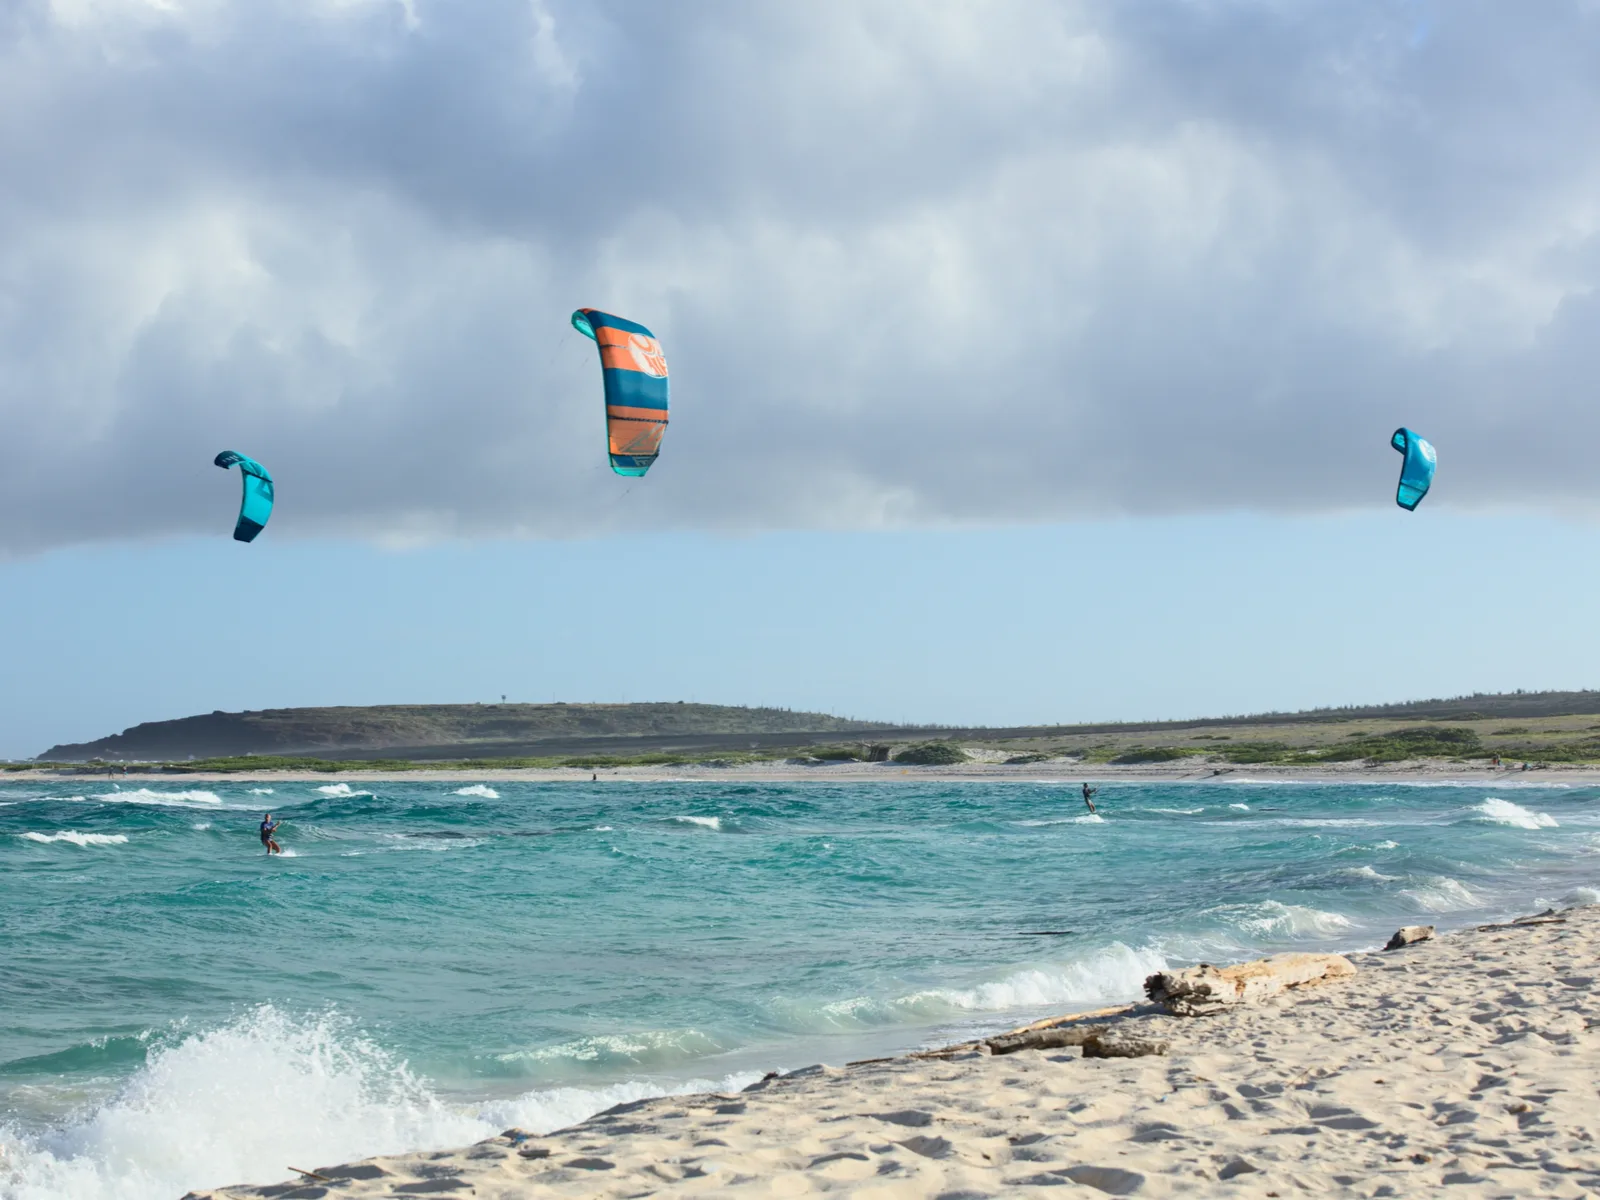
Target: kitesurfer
{"type": "Point", "coordinates": [268, 828]}
{"type": "Point", "coordinates": [1087, 792]}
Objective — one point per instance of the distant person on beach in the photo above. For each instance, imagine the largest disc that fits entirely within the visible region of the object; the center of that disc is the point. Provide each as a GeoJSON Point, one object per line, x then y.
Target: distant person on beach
{"type": "Point", "coordinates": [1087, 792]}
{"type": "Point", "coordinates": [268, 828]}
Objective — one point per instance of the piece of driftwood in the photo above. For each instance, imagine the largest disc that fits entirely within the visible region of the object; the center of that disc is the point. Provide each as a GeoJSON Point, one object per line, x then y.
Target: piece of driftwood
{"type": "Point", "coordinates": [1114, 1045]}
{"type": "Point", "coordinates": [1050, 1038]}
{"type": "Point", "coordinates": [1410, 935]}
{"type": "Point", "coordinates": [1198, 991]}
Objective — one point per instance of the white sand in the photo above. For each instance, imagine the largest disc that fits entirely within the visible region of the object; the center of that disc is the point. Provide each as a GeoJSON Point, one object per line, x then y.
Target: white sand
{"type": "Point", "coordinates": [779, 772]}
{"type": "Point", "coordinates": [1463, 1067]}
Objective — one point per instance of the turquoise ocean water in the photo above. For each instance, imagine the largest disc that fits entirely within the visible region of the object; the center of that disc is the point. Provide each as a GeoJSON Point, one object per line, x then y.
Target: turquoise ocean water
{"type": "Point", "coordinates": [432, 962]}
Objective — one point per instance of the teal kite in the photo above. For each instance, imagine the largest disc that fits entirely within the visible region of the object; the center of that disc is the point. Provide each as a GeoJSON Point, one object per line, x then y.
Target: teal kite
{"type": "Point", "coordinates": [256, 505]}
{"type": "Point", "coordinates": [1416, 472]}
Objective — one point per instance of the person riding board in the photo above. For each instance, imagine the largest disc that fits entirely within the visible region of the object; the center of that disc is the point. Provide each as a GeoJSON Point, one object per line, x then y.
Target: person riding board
{"type": "Point", "coordinates": [1087, 792]}
{"type": "Point", "coordinates": [268, 828]}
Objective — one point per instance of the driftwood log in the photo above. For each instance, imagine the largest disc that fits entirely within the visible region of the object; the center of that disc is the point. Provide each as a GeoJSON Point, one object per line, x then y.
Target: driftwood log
{"type": "Point", "coordinates": [1410, 935]}
{"type": "Point", "coordinates": [1198, 991]}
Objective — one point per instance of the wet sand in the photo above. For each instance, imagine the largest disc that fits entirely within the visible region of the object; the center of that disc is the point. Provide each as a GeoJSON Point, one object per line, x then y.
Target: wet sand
{"type": "Point", "coordinates": [1466, 1066]}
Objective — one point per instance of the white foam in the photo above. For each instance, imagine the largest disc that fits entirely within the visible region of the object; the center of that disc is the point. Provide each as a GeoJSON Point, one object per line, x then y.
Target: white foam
{"type": "Point", "coordinates": [188, 799]}
{"type": "Point", "coordinates": [1367, 873]}
{"type": "Point", "coordinates": [261, 791]}
{"type": "Point", "coordinates": [1386, 845]}
{"type": "Point", "coordinates": [1582, 895]}
{"type": "Point", "coordinates": [1504, 812]}
{"type": "Point", "coordinates": [1241, 807]}
{"type": "Point", "coordinates": [1177, 812]}
{"type": "Point", "coordinates": [479, 789]}
{"type": "Point", "coordinates": [340, 789]}
{"type": "Point", "coordinates": [78, 839]}
{"type": "Point", "coordinates": [703, 822]}
{"type": "Point", "coordinates": [1115, 972]}
{"type": "Point", "coordinates": [233, 1106]}
{"type": "Point", "coordinates": [202, 826]}
{"type": "Point", "coordinates": [603, 829]}
{"type": "Point", "coordinates": [1440, 893]}
{"type": "Point", "coordinates": [1081, 819]}
{"type": "Point", "coordinates": [1272, 918]}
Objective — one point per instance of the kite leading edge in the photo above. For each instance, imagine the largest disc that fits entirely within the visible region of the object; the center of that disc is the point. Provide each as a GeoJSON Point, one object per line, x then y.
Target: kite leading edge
{"type": "Point", "coordinates": [635, 374]}
{"type": "Point", "coordinates": [1416, 472]}
{"type": "Point", "coordinates": [256, 505]}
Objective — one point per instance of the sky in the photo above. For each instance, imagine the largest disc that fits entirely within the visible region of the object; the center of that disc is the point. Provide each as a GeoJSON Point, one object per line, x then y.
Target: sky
{"type": "Point", "coordinates": [971, 308]}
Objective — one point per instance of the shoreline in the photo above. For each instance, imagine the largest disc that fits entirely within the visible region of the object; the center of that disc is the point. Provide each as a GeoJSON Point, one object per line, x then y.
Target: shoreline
{"type": "Point", "coordinates": [1466, 1061]}
{"type": "Point", "coordinates": [1048, 772]}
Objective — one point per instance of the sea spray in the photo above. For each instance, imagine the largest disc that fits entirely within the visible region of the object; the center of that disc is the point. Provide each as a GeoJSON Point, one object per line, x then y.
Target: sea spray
{"type": "Point", "coordinates": [233, 1105]}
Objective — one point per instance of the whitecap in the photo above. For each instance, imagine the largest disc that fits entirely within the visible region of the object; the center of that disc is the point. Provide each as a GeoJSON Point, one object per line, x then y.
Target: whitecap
{"type": "Point", "coordinates": [1367, 873]}
{"type": "Point", "coordinates": [1115, 972]}
{"type": "Point", "coordinates": [478, 789]}
{"type": "Point", "coordinates": [201, 826]}
{"type": "Point", "coordinates": [73, 837]}
{"type": "Point", "coordinates": [186, 799]}
{"type": "Point", "coordinates": [1440, 893]}
{"type": "Point", "coordinates": [1241, 807]}
{"type": "Point", "coordinates": [1504, 812]}
{"type": "Point", "coordinates": [261, 791]}
{"type": "Point", "coordinates": [1177, 812]}
{"type": "Point", "coordinates": [1273, 918]}
{"type": "Point", "coordinates": [703, 822]}
{"type": "Point", "coordinates": [340, 789]}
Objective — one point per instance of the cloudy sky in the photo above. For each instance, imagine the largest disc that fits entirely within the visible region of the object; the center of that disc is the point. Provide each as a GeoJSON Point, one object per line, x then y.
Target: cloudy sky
{"type": "Point", "coordinates": [916, 267]}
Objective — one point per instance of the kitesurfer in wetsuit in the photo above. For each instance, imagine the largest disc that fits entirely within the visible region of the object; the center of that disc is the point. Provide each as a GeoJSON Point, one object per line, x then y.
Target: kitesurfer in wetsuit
{"type": "Point", "coordinates": [268, 828]}
{"type": "Point", "coordinates": [1087, 792]}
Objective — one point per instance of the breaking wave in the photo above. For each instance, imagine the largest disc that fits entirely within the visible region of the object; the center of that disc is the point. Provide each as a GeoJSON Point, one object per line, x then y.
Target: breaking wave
{"type": "Point", "coordinates": [77, 839]}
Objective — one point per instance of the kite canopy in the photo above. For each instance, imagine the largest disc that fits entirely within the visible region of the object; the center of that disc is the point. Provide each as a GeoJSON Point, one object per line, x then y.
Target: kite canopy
{"type": "Point", "coordinates": [1416, 473]}
{"type": "Point", "coordinates": [635, 374]}
{"type": "Point", "coordinates": [256, 506]}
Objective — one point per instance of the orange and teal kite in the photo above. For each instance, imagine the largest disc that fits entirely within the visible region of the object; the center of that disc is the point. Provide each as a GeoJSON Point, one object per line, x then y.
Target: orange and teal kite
{"type": "Point", "coordinates": [636, 388]}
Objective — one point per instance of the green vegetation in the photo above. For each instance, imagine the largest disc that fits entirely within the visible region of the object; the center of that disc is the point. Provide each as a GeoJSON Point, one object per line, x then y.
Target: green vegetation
{"type": "Point", "coordinates": [932, 754]}
{"type": "Point", "coordinates": [1021, 760]}
{"type": "Point", "coordinates": [1245, 753]}
{"type": "Point", "coordinates": [1155, 754]}
{"type": "Point", "coordinates": [1425, 741]}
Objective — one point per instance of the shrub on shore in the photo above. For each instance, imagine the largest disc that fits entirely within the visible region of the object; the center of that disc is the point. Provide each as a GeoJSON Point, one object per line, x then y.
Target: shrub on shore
{"type": "Point", "coordinates": [932, 754]}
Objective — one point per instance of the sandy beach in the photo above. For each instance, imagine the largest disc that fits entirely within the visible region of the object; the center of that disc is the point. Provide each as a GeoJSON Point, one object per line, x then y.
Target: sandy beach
{"type": "Point", "coordinates": [1466, 1064]}
{"type": "Point", "coordinates": [854, 772]}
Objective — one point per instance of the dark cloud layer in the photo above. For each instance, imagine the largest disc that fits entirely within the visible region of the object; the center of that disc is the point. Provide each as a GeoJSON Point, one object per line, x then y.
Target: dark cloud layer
{"type": "Point", "coordinates": [949, 262]}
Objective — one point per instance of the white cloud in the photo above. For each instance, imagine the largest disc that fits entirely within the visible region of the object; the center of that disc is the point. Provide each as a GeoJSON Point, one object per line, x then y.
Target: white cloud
{"type": "Point", "coordinates": [939, 263]}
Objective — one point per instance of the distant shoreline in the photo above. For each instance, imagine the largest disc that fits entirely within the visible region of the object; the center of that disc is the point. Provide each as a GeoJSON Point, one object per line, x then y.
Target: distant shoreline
{"type": "Point", "coordinates": [855, 772]}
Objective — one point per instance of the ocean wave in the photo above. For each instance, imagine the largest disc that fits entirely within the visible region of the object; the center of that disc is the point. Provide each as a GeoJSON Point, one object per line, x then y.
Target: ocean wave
{"type": "Point", "coordinates": [1368, 873]}
{"type": "Point", "coordinates": [1274, 919]}
{"type": "Point", "coordinates": [650, 1048]}
{"type": "Point", "coordinates": [1116, 972]}
{"type": "Point", "coordinates": [1440, 893]}
{"type": "Point", "coordinates": [234, 1104]}
{"type": "Point", "coordinates": [340, 790]}
{"type": "Point", "coordinates": [1581, 895]}
{"type": "Point", "coordinates": [186, 799]}
{"type": "Point", "coordinates": [1176, 812]}
{"type": "Point", "coordinates": [1241, 807]}
{"type": "Point", "coordinates": [261, 791]}
{"type": "Point", "coordinates": [1080, 819]}
{"type": "Point", "coordinates": [1503, 812]}
{"type": "Point", "coordinates": [77, 839]}
{"type": "Point", "coordinates": [703, 822]}
{"type": "Point", "coordinates": [478, 789]}
{"type": "Point", "coordinates": [201, 826]}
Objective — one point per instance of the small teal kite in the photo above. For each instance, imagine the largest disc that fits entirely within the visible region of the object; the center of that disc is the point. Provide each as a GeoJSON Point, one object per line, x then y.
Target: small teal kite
{"type": "Point", "coordinates": [256, 506]}
{"type": "Point", "coordinates": [1416, 473]}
